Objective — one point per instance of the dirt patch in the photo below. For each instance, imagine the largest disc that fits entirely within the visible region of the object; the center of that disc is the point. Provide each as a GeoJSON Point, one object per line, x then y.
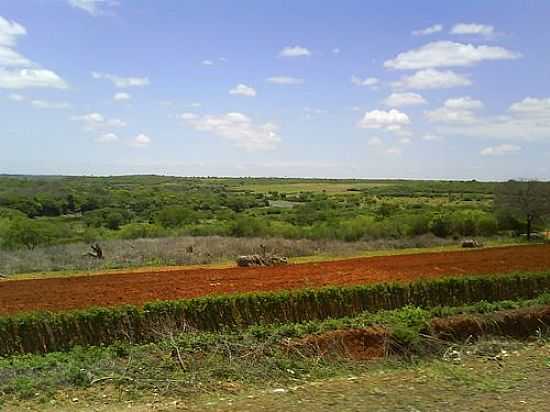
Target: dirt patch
{"type": "Point", "coordinates": [520, 323]}
{"type": "Point", "coordinates": [358, 344]}
{"type": "Point", "coordinates": [377, 341]}
{"type": "Point", "coordinates": [57, 294]}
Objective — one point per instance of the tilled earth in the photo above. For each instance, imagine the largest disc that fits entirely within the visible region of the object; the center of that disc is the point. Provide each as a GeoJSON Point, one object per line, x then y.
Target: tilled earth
{"type": "Point", "coordinates": [57, 294]}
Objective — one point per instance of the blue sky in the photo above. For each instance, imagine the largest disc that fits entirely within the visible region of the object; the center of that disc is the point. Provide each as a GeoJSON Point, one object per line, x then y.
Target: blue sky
{"type": "Point", "coordinates": [400, 89]}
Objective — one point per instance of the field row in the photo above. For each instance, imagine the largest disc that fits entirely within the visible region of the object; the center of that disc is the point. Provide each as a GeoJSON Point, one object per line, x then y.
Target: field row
{"type": "Point", "coordinates": [58, 294]}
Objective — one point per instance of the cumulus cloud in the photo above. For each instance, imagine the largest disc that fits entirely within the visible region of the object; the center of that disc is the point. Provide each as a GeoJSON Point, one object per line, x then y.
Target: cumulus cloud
{"type": "Point", "coordinates": [369, 81]}
{"type": "Point", "coordinates": [9, 57]}
{"type": "Point", "coordinates": [375, 141]}
{"type": "Point", "coordinates": [243, 90]}
{"type": "Point", "coordinates": [532, 107]}
{"type": "Point", "coordinates": [428, 30]}
{"type": "Point", "coordinates": [122, 82]}
{"type": "Point", "coordinates": [294, 51]}
{"type": "Point", "coordinates": [285, 80]}
{"type": "Point", "coordinates": [393, 150]}
{"type": "Point", "coordinates": [46, 104]}
{"type": "Point", "coordinates": [207, 62]}
{"type": "Point", "coordinates": [236, 128]}
{"type": "Point", "coordinates": [107, 138]}
{"type": "Point", "coordinates": [456, 110]}
{"type": "Point", "coordinates": [93, 7]}
{"type": "Point", "coordinates": [525, 120]}
{"type": "Point", "coordinates": [463, 103]}
{"type": "Point", "coordinates": [96, 121]}
{"type": "Point", "coordinates": [448, 54]}
{"type": "Point", "coordinates": [432, 79]}
{"type": "Point", "coordinates": [17, 71]}
{"type": "Point", "coordinates": [27, 78]}
{"type": "Point", "coordinates": [404, 99]}
{"type": "Point", "coordinates": [473, 28]}
{"type": "Point", "coordinates": [432, 138]}
{"type": "Point", "coordinates": [392, 120]}
{"type": "Point", "coordinates": [141, 141]}
{"type": "Point", "coordinates": [120, 97]}
{"type": "Point", "coordinates": [16, 97]}
{"type": "Point", "coordinates": [500, 150]}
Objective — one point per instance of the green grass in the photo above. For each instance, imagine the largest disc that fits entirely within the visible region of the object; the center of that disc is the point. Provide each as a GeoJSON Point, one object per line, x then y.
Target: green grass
{"type": "Point", "coordinates": [197, 364]}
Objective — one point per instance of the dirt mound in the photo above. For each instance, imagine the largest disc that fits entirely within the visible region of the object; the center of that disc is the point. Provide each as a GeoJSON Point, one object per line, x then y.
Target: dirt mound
{"type": "Point", "coordinates": [357, 344]}
{"type": "Point", "coordinates": [56, 294]}
{"type": "Point", "coordinates": [520, 323]}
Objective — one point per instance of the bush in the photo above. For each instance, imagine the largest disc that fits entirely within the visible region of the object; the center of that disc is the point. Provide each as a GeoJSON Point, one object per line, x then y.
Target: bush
{"type": "Point", "coordinates": [24, 232]}
{"type": "Point", "coordinates": [141, 230]}
{"type": "Point", "coordinates": [441, 226]}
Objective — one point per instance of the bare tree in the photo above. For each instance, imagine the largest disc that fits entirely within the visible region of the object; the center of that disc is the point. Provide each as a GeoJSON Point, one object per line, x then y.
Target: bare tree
{"type": "Point", "coordinates": [529, 199]}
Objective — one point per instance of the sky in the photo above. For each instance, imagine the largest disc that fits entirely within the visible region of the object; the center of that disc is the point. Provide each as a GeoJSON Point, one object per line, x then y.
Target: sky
{"type": "Point", "coordinates": [354, 88]}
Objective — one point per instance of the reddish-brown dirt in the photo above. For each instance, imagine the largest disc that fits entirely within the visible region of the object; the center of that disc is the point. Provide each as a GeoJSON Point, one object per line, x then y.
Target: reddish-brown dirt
{"type": "Point", "coordinates": [57, 294]}
{"type": "Point", "coordinates": [358, 344]}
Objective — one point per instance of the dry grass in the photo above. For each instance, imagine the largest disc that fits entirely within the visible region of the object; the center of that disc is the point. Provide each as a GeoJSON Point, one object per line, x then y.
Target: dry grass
{"type": "Point", "coordinates": [175, 251]}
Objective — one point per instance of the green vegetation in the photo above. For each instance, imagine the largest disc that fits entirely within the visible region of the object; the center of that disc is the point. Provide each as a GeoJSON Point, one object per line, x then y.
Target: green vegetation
{"type": "Point", "coordinates": [196, 361]}
{"type": "Point", "coordinates": [45, 332]}
{"type": "Point", "coordinates": [37, 211]}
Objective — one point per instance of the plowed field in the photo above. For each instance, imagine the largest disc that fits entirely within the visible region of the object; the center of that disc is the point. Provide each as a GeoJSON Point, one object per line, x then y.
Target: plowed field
{"type": "Point", "coordinates": [58, 294]}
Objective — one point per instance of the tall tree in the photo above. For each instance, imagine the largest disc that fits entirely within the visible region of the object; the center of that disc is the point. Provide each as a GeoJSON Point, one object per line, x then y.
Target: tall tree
{"type": "Point", "coordinates": [529, 199]}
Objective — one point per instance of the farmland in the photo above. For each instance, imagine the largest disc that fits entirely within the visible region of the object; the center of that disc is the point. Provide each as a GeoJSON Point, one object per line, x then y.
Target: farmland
{"type": "Point", "coordinates": [377, 281]}
{"type": "Point", "coordinates": [172, 284]}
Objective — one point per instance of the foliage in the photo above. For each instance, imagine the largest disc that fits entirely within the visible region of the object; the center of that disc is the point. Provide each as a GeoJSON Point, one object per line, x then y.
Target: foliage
{"type": "Point", "coordinates": [44, 332]}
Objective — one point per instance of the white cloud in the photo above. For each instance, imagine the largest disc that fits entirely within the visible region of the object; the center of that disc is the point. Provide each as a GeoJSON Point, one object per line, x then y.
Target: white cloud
{"type": "Point", "coordinates": [188, 116]}
{"type": "Point", "coordinates": [9, 57]}
{"type": "Point", "coordinates": [456, 110]}
{"type": "Point", "coordinates": [432, 138]}
{"type": "Point", "coordinates": [195, 104]}
{"type": "Point", "coordinates": [369, 81]}
{"type": "Point", "coordinates": [122, 82]}
{"type": "Point", "coordinates": [532, 107]}
{"type": "Point", "coordinates": [14, 72]}
{"type": "Point", "coordinates": [285, 80]}
{"type": "Point", "coordinates": [16, 97]}
{"type": "Point", "coordinates": [243, 90]}
{"type": "Point", "coordinates": [238, 129]}
{"type": "Point", "coordinates": [119, 97]}
{"type": "Point", "coordinates": [473, 28]}
{"type": "Point", "coordinates": [526, 120]}
{"type": "Point", "coordinates": [500, 150]}
{"type": "Point", "coordinates": [405, 140]}
{"type": "Point", "coordinates": [463, 103]}
{"type": "Point", "coordinates": [432, 79]}
{"type": "Point", "coordinates": [294, 51]}
{"type": "Point", "coordinates": [336, 50]}
{"type": "Point", "coordinates": [141, 141]}
{"type": "Point", "coordinates": [96, 121]}
{"type": "Point", "coordinates": [93, 7]}
{"type": "Point", "coordinates": [25, 78]}
{"type": "Point", "coordinates": [9, 31]}
{"type": "Point", "coordinates": [429, 30]}
{"type": "Point", "coordinates": [45, 104]}
{"type": "Point", "coordinates": [207, 62]}
{"type": "Point", "coordinates": [107, 138]}
{"type": "Point", "coordinates": [448, 54]}
{"type": "Point", "coordinates": [395, 151]}
{"type": "Point", "coordinates": [404, 99]}
{"type": "Point", "coordinates": [392, 120]}
{"type": "Point", "coordinates": [375, 141]}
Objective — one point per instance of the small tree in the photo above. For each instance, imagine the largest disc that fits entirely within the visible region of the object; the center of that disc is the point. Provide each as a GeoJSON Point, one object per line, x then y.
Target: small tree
{"type": "Point", "coordinates": [527, 199]}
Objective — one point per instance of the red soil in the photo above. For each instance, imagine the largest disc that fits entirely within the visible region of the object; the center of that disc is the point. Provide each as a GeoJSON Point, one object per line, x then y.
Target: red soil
{"type": "Point", "coordinates": [58, 294]}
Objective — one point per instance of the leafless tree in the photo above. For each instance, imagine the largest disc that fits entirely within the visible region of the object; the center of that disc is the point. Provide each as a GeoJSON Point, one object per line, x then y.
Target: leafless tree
{"type": "Point", "coordinates": [529, 199]}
